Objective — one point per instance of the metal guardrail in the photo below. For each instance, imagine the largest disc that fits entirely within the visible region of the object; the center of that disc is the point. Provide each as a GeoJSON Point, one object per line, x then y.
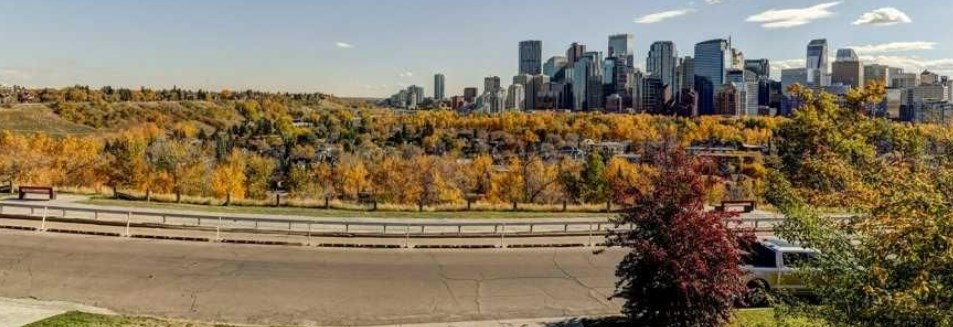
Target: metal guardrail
{"type": "Point", "coordinates": [376, 227]}
{"type": "Point", "coordinates": [348, 228]}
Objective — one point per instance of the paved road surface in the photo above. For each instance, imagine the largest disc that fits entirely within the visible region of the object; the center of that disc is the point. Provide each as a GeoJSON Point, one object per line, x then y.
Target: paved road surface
{"type": "Point", "coordinates": [292, 285]}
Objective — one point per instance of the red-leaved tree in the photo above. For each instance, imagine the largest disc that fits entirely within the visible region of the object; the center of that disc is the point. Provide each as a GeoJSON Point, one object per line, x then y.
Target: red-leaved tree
{"type": "Point", "coordinates": [683, 269]}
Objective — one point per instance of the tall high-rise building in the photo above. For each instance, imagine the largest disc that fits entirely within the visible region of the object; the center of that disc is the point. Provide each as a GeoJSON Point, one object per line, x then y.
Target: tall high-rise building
{"type": "Point", "coordinates": [687, 69]}
{"type": "Point", "coordinates": [491, 84]}
{"type": "Point", "coordinates": [652, 95]}
{"type": "Point", "coordinates": [731, 99]}
{"type": "Point", "coordinates": [846, 54]}
{"type": "Point", "coordinates": [748, 81]}
{"type": "Point", "coordinates": [929, 78]}
{"type": "Point", "coordinates": [760, 67]}
{"type": "Point", "coordinates": [905, 80]}
{"type": "Point", "coordinates": [470, 94]}
{"type": "Point", "coordinates": [531, 57]}
{"type": "Point", "coordinates": [439, 85]}
{"type": "Point", "coordinates": [575, 51]}
{"type": "Point", "coordinates": [554, 65]}
{"type": "Point", "coordinates": [587, 81]}
{"type": "Point", "coordinates": [622, 46]}
{"type": "Point", "coordinates": [662, 62]}
{"type": "Point", "coordinates": [737, 59]}
{"type": "Point", "coordinates": [847, 69]}
{"type": "Point", "coordinates": [712, 58]}
{"type": "Point", "coordinates": [818, 65]}
{"type": "Point", "coordinates": [793, 76]}
{"type": "Point", "coordinates": [515, 97]}
{"type": "Point", "coordinates": [877, 73]}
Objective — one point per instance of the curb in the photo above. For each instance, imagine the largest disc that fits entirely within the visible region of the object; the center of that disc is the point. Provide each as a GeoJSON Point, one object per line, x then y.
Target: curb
{"type": "Point", "coordinates": [280, 243]}
{"type": "Point", "coordinates": [359, 246]}
{"type": "Point", "coordinates": [172, 238]}
{"type": "Point", "coordinates": [437, 246]}
{"type": "Point", "coordinates": [18, 228]}
{"type": "Point", "coordinates": [82, 232]}
{"type": "Point", "coordinates": [529, 246]}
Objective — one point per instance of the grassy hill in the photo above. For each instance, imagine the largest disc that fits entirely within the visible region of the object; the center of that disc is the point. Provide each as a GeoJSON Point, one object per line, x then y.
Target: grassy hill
{"type": "Point", "coordinates": [38, 118]}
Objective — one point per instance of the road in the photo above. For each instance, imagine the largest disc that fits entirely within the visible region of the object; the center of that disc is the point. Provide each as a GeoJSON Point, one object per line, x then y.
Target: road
{"type": "Point", "coordinates": [305, 286]}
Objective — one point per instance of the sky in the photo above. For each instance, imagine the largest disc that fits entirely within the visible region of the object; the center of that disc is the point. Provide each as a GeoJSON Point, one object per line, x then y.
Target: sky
{"type": "Point", "coordinates": [372, 48]}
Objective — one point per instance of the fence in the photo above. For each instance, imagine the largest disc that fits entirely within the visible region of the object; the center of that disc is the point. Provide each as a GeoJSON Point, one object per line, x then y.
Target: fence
{"type": "Point", "coordinates": [122, 222]}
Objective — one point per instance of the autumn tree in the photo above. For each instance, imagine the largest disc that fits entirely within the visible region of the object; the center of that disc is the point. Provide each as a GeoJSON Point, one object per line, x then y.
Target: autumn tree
{"type": "Point", "coordinates": [538, 178]}
{"type": "Point", "coordinates": [508, 185]}
{"type": "Point", "coordinates": [228, 178]}
{"type": "Point", "coordinates": [890, 264]}
{"type": "Point", "coordinates": [182, 161]}
{"type": "Point", "coordinates": [683, 267]}
{"type": "Point", "coordinates": [595, 187]}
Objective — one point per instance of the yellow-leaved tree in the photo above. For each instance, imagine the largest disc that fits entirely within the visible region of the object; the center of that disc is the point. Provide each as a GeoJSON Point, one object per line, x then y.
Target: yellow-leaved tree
{"type": "Point", "coordinates": [228, 178]}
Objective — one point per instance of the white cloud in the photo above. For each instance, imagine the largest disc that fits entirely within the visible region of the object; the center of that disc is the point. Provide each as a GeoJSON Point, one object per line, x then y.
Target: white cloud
{"type": "Point", "coordinates": [883, 17]}
{"type": "Point", "coordinates": [660, 16]}
{"type": "Point", "coordinates": [893, 47]}
{"type": "Point", "coordinates": [787, 18]}
{"type": "Point", "coordinates": [712, 2]}
{"type": "Point", "coordinates": [344, 45]}
{"type": "Point", "coordinates": [406, 74]}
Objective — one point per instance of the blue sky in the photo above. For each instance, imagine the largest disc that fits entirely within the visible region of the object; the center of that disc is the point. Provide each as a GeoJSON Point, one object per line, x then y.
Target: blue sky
{"type": "Point", "coordinates": [373, 47]}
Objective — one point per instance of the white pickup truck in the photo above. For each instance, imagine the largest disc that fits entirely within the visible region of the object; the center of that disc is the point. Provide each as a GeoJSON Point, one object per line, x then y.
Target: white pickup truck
{"type": "Point", "coordinates": [771, 265]}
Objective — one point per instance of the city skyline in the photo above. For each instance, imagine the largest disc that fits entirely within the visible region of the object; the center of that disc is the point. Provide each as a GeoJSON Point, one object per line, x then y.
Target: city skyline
{"type": "Point", "coordinates": [310, 47]}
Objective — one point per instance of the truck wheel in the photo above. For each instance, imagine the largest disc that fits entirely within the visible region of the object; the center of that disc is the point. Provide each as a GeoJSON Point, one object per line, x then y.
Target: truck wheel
{"type": "Point", "coordinates": [757, 294]}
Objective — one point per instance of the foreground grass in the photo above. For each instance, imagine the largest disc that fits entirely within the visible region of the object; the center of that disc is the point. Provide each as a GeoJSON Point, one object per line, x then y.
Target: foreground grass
{"type": "Point", "coordinates": [335, 213]}
{"type": "Point", "coordinates": [79, 319]}
{"type": "Point", "coordinates": [744, 318]}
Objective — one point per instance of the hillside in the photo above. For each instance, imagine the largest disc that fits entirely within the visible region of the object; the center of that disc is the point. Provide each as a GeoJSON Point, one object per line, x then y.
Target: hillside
{"type": "Point", "coordinates": [39, 118]}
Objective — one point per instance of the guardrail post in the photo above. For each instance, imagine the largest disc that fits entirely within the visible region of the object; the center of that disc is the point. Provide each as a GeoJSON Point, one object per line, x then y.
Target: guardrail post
{"type": "Point", "coordinates": [503, 236]}
{"type": "Point", "coordinates": [163, 219]}
{"type": "Point", "coordinates": [128, 222]}
{"type": "Point", "coordinates": [566, 228]}
{"type": "Point", "coordinates": [407, 236]}
{"type": "Point", "coordinates": [218, 230]}
{"type": "Point", "coordinates": [531, 228]}
{"type": "Point", "coordinates": [309, 234]}
{"type": "Point", "coordinates": [384, 230]}
{"type": "Point", "coordinates": [459, 230]}
{"type": "Point", "coordinates": [347, 228]}
{"type": "Point", "coordinates": [590, 234]}
{"type": "Point", "coordinates": [43, 222]}
{"type": "Point", "coordinates": [95, 215]}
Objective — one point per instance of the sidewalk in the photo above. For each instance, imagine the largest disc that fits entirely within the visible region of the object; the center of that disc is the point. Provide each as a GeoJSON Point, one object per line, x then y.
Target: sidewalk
{"type": "Point", "coordinates": [19, 312]}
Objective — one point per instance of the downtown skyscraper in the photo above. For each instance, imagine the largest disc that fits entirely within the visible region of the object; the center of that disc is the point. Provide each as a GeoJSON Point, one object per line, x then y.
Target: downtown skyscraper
{"type": "Point", "coordinates": [662, 63]}
{"type": "Point", "coordinates": [622, 46]}
{"type": "Point", "coordinates": [712, 59]}
{"type": "Point", "coordinates": [818, 64]}
{"type": "Point", "coordinates": [847, 69]}
{"type": "Point", "coordinates": [439, 87]}
{"type": "Point", "coordinates": [531, 57]}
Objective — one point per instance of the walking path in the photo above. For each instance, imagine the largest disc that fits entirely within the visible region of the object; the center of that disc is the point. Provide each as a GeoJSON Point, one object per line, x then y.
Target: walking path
{"type": "Point", "coordinates": [19, 312]}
